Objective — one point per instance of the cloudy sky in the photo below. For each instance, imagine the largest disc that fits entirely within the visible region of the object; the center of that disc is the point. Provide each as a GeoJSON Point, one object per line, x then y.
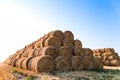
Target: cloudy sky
{"type": "Point", "coordinates": [95, 22]}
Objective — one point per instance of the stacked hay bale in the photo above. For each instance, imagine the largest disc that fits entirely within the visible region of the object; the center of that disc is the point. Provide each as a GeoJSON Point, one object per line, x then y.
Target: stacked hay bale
{"type": "Point", "coordinates": [108, 56]}
{"type": "Point", "coordinates": [55, 51]}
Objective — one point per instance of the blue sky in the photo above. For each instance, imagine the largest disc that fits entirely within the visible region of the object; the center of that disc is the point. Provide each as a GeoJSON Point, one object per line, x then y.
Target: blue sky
{"type": "Point", "coordinates": [95, 22]}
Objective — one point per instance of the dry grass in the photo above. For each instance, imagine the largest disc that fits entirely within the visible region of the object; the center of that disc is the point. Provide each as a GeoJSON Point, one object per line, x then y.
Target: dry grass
{"type": "Point", "coordinates": [5, 73]}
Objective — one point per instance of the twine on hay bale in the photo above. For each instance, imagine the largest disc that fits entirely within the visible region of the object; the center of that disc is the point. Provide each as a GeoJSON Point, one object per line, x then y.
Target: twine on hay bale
{"type": "Point", "coordinates": [78, 43]}
{"type": "Point", "coordinates": [53, 41]}
{"type": "Point", "coordinates": [69, 35]}
{"type": "Point", "coordinates": [41, 64]}
{"type": "Point", "coordinates": [56, 33]}
{"type": "Point", "coordinates": [77, 51]}
{"type": "Point", "coordinates": [50, 50]}
{"type": "Point", "coordinates": [62, 64]}
{"type": "Point", "coordinates": [64, 51]}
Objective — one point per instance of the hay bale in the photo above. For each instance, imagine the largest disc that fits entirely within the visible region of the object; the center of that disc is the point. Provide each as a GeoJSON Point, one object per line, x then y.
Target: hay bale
{"type": "Point", "coordinates": [19, 63]}
{"type": "Point", "coordinates": [49, 50]}
{"type": "Point", "coordinates": [64, 51]}
{"type": "Point", "coordinates": [53, 41]}
{"type": "Point", "coordinates": [87, 52]}
{"type": "Point", "coordinates": [67, 42]}
{"type": "Point", "coordinates": [98, 63]}
{"type": "Point", "coordinates": [107, 54]}
{"type": "Point", "coordinates": [36, 52]}
{"type": "Point", "coordinates": [69, 35]}
{"type": "Point", "coordinates": [114, 62]}
{"type": "Point", "coordinates": [75, 61]}
{"type": "Point", "coordinates": [38, 43]}
{"type": "Point", "coordinates": [107, 63]}
{"type": "Point", "coordinates": [62, 64]}
{"type": "Point", "coordinates": [56, 33]}
{"type": "Point", "coordinates": [78, 43]}
{"type": "Point", "coordinates": [25, 63]}
{"type": "Point", "coordinates": [87, 63]}
{"type": "Point", "coordinates": [20, 53]}
{"type": "Point", "coordinates": [29, 53]}
{"type": "Point", "coordinates": [97, 54]}
{"type": "Point", "coordinates": [77, 51]}
{"type": "Point", "coordinates": [12, 62]}
{"type": "Point", "coordinates": [41, 64]}
{"type": "Point", "coordinates": [109, 50]}
{"type": "Point", "coordinates": [96, 50]}
{"type": "Point", "coordinates": [111, 57]}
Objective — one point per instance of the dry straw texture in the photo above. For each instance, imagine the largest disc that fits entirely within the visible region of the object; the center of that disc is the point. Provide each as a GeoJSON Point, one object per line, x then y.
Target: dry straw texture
{"type": "Point", "coordinates": [62, 64]}
{"type": "Point", "coordinates": [53, 41]}
{"type": "Point", "coordinates": [78, 43]}
{"type": "Point", "coordinates": [65, 51]}
{"type": "Point", "coordinates": [56, 33]}
{"type": "Point", "coordinates": [42, 64]}
{"type": "Point", "coordinates": [69, 35]}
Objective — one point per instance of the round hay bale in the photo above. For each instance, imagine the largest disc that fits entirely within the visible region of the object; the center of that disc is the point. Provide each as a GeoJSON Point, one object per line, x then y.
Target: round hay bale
{"type": "Point", "coordinates": [36, 52]}
{"type": "Point", "coordinates": [106, 62]}
{"type": "Point", "coordinates": [19, 63]}
{"type": "Point", "coordinates": [102, 50]}
{"type": "Point", "coordinates": [25, 63]}
{"type": "Point", "coordinates": [30, 53]}
{"type": "Point", "coordinates": [21, 52]}
{"type": "Point", "coordinates": [38, 43]}
{"type": "Point", "coordinates": [87, 52]}
{"type": "Point", "coordinates": [96, 50]}
{"type": "Point", "coordinates": [97, 54]}
{"type": "Point", "coordinates": [64, 51]}
{"type": "Point", "coordinates": [111, 57]}
{"type": "Point", "coordinates": [69, 35]}
{"type": "Point", "coordinates": [67, 42]}
{"type": "Point", "coordinates": [53, 41]}
{"type": "Point", "coordinates": [114, 62]}
{"type": "Point", "coordinates": [77, 51]}
{"type": "Point", "coordinates": [78, 43]}
{"type": "Point", "coordinates": [56, 33]}
{"type": "Point", "coordinates": [13, 62]}
{"type": "Point", "coordinates": [42, 40]}
{"type": "Point", "coordinates": [31, 46]}
{"type": "Point", "coordinates": [98, 63]}
{"type": "Point", "coordinates": [30, 63]}
{"type": "Point", "coordinates": [42, 64]}
{"type": "Point", "coordinates": [50, 50]}
{"type": "Point", "coordinates": [107, 54]}
{"type": "Point", "coordinates": [87, 63]}
{"type": "Point", "coordinates": [75, 61]}
{"type": "Point", "coordinates": [62, 64]}
{"type": "Point", "coordinates": [104, 58]}
{"type": "Point", "coordinates": [109, 50]}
